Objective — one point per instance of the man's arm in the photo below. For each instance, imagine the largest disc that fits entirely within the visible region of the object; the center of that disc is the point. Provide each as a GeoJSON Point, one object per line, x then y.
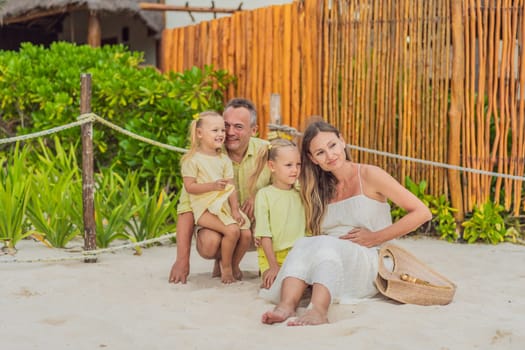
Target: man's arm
{"type": "Point", "coordinates": [181, 267]}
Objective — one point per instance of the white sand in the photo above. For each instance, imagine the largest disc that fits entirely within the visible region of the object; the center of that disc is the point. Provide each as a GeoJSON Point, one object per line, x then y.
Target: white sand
{"type": "Point", "coordinates": [125, 302]}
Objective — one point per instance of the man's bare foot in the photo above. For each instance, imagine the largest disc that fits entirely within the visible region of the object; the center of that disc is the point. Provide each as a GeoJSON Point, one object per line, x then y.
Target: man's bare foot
{"type": "Point", "coordinates": [216, 269]}
{"type": "Point", "coordinates": [310, 318]}
{"type": "Point", "coordinates": [237, 273]}
{"type": "Point", "coordinates": [227, 275]}
{"type": "Point", "coordinates": [277, 315]}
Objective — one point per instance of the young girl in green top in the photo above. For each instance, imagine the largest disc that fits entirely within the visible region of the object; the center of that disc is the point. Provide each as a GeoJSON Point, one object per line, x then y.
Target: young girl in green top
{"type": "Point", "coordinates": [279, 212]}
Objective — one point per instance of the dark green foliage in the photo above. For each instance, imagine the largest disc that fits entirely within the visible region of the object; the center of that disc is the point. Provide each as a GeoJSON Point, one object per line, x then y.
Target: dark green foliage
{"type": "Point", "coordinates": [486, 224]}
{"type": "Point", "coordinates": [40, 89]}
{"type": "Point", "coordinates": [15, 192]}
{"type": "Point", "coordinates": [443, 221]}
{"type": "Point", "coordinates": [55, 208]}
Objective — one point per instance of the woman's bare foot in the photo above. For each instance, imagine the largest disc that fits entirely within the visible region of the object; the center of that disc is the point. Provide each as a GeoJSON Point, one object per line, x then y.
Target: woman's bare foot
{"type": "Point", "coordinates": [277, 315]}
{"type": "Point", "coordinates": [227, 275]}
{"type": "Point", "coordinates": [237, 273]}
{"type": "Point", "coordinates": [216, 269]}
{"type": "Point", "coordinates": [310, 318]}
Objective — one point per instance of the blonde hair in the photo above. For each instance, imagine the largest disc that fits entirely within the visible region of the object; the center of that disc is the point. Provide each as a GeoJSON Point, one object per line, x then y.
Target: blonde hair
{"type": "Point", "coordinates": [270, 152]}
{"type": "Point", "coordinates": [317, 186]}
{"type": "Point", "coordinates": [195, 124]}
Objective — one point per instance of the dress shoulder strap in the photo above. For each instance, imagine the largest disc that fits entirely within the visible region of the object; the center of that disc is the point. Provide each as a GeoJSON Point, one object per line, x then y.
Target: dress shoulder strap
{"type": "Point", "coordinates": [359, 177]}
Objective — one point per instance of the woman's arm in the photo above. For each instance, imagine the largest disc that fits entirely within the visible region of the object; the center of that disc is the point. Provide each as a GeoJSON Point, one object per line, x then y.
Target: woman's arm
{"type": "Point", "coordinates": [380, 185]}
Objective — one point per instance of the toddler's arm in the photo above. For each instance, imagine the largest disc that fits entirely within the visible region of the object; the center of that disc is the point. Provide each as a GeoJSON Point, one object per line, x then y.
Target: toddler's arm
{"type": "Point", "coordinates": [192, 186]}
{"type": "Point", "coordinates": [270, 274]}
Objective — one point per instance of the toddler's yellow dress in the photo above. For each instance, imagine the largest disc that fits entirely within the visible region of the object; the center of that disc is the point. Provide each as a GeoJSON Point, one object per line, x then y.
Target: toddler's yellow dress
{"type": "Point", "coordinates": [206, 168]}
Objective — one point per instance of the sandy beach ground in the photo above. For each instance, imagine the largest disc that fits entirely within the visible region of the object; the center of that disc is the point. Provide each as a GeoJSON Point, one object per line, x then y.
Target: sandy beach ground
{"type": "Point", "coordinates": [125, 302]}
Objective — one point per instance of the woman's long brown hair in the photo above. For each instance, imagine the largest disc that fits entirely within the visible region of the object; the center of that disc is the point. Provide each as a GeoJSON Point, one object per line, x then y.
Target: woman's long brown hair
{"type": "Point", "coordinates": [317, 186]}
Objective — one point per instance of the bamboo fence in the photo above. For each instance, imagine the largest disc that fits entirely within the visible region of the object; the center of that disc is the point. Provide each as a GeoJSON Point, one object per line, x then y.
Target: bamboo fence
{"type": "Point", "coordinates": [387, 74]}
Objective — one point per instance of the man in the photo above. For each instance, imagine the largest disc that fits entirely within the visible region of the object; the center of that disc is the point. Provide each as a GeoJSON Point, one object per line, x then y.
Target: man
{"type": "Point", "coordinates": [240, 118]}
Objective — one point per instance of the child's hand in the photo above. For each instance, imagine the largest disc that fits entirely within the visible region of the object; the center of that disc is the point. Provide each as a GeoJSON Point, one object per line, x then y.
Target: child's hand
{"type": "Point", "coordinates": [220, 184]}
{"type": "Point", "coordinates": [269, 276]}
{"type": "Point", "coordinates": [238, 217]}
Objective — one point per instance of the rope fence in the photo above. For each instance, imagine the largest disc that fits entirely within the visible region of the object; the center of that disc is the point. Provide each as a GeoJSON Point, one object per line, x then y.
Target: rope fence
{"type": "Point", "coordinates": [92, 117]}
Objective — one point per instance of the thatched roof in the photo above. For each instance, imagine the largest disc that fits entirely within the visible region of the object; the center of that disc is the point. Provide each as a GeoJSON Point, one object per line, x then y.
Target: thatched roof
{"type": "Point", "coordinates": [12, 9]}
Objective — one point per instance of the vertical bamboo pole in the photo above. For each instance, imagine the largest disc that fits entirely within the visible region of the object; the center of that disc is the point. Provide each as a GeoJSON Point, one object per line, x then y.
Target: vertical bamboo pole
{"type": "Point", "coordinates": [456, 107]}
{"type": "Point", "coordinates": [250, 54]}
{"type": "Point", "coordinates": [277, 55]}
{"type": "Point", "coordinates": [266, 64]}
{"type": "Point", "coordinates": [239, 52]}
{"type": "Point", "coordinates": [512, 121]}
{"type": "Point", "coordinates": [345, 67]}
{"type": "Point", "coordinates": [502, 141]}
{"type": "Point", "coordinates": [165, 50]}
{"type": "Point", "coordinates": [444, 65]}
{"type": "Point", "coordinates": [296, 63]}
{"type": "Point", "coordinates": [492, 89]}
{"type": "Point", "coordinates": [88, 183]}
{"type": "Point", "coordinates": [480, 103]}
{"type": "Point", "coordinates": [181, 49]}
{"type": "Point", "coordinates": [521, 118]}
{"type": "Point", "coordinates": [382, 82]}
{"type": "Point", "coordinates": [287, 64]}
{"type": "Point", "coordinates": [326, 60]}
{"type": "Point", "coordinates": [466, 133]}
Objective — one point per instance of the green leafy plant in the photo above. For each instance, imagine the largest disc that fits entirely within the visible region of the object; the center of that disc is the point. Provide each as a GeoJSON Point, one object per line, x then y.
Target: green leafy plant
{"type": "Point", "coordinates": [443, 220]}
{"type": "Point", "coordinates": [15, 187]}
{"type": "Point", "coordinates": [39, 89]}
{"type": "Point", "coordinates": [155, 214]}
{"type": "Point", "coordinates": [55, 208]}
{"type": "Point", "coordinates": [515, 228]}
{"type": "Point", "coordinates": [486, 224]}
{"type": "Point", "coordinates": [113, 206]}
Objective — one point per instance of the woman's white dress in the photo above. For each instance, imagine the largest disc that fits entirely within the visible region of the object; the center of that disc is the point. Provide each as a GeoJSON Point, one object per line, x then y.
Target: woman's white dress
{"type": "Point", "coordinates": [347, 269]}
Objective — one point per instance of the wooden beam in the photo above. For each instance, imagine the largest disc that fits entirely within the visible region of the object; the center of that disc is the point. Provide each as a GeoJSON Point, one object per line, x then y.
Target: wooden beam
{"type": "Point", "coordinates": [41, 14]}
{"type": "Point", "coordinates": [148, 6]}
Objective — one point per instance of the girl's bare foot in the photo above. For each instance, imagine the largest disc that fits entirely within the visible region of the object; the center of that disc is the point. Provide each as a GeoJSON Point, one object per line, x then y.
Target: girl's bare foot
{"type": "Point", "coordinates": [310, 318]}
{"type": "Point", "coordinates": [227, 275]}
{"type": "Point", "coordinates": [277, 315]}
{"type": "Point", "coordinates": [216, 269]}
{"type": "Point", "coordinates": [237, 273]}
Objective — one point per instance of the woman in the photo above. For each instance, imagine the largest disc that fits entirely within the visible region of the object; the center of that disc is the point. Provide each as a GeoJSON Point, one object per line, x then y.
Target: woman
{"type": "Point", "coordinates": [349, 217]}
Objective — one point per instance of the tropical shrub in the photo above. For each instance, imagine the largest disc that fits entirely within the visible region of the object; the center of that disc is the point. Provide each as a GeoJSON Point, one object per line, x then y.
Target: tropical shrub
{"type": "Point", "coordinates": [55, 208]}
{"type": "Point", "coordinates": [155, 214]}
{"type": "Point", "coordinates": [113, 205]}
{"type": "Point", "coordinates": [15, 188]}
{"type": "Point", "coordinates": [39, 89]}
{"type": "Point", "coordinates": [443, 221]}
{"type": "Point", "coordinates": [486, 224]}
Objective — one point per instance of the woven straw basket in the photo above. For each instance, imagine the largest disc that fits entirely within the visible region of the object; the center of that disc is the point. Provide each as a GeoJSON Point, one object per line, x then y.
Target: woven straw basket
{"type": "Point", "coordinates": [411, 281]}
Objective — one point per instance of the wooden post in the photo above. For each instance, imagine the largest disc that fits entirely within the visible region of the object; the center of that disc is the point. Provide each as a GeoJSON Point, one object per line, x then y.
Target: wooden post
{"type": "Point", "coordinates": [94, 38]}
{"type": "Point", "coordinates": [88, 197]}
{"type": "Point", "coordinates": [456, 111]}
{"type": "Point", "coordinates": [275, 109]}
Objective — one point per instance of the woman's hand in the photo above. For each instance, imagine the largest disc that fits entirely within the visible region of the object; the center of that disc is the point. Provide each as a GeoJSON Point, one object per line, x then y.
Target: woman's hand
{"type": "Point", "coordinates": [362, 236]}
